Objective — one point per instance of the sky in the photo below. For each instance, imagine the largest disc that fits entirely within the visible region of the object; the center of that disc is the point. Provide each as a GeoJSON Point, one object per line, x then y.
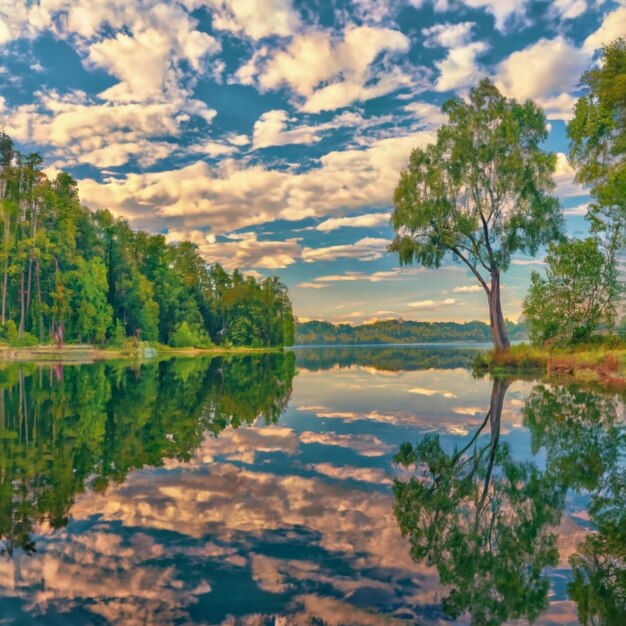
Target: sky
{"type": "Point", "coordinates": [272, 132]}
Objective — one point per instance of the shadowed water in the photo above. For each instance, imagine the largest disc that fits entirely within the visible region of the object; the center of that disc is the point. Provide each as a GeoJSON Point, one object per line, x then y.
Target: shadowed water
{"type": "Point", "coordinates": [321, 486]}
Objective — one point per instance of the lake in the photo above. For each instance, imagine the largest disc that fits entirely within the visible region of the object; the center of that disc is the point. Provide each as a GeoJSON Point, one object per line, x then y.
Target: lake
{"type": "Point", "coordinates": [365, 486]}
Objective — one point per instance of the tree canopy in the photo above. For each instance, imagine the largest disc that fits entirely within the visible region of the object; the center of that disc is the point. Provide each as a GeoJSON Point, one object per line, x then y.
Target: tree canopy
{"type": "Point", "coordinates": [480, 193]}
{"type": "Point", "coordinates": [69, 273]}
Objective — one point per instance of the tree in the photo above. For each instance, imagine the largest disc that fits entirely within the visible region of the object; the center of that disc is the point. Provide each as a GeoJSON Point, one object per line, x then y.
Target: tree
{"type": "Point", "coordinates": [576, 297]}
{"type": "Point", "coordinates": [483, 520]}
{"type": "Point", "coordinates": [480, 193]}
{"type": "Point", "coordinates": [598, 150]}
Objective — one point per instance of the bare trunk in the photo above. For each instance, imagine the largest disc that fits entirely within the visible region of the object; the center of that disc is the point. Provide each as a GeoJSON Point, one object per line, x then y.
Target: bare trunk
{"type": "Point", "coordinates": [496, 319]}
{"type": "Point", "coordinates": [38, 281]}
{"type": "Point", "coordinates": [20, 330]}
{"type": "Point", "coordinates": [5, 282]}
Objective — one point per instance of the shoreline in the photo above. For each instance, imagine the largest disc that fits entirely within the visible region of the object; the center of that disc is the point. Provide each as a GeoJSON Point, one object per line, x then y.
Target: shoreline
{"type": "Point", "coordinates": [595, 366]}
{"type": "Point", "coordinates": [87, 353]}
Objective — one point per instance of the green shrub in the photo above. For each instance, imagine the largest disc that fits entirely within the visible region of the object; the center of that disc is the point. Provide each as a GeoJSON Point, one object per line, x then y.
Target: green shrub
{"type": "Point", "coordinates": [25, 341]}
{"type": "Point", "coordinates": [8, 331]}
{"type": "Point", "coordinates": [187, 336]}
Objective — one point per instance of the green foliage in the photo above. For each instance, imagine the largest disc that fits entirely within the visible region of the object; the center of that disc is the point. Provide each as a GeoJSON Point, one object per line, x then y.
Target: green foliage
{"type": "Point", "coordinates": [186, 336]}
{"type": "Point", "coordinates": [87, 426]}
{"type": "Point", "coordinates": [598, 151]}
{"type": "Point", "coordinates": [574, 300]}
{"type": "Point", "coordinates": [25, 340]}
{"type": "Point", "coordinates": [70, 274]}
{"type": "Point", "coordinates": [8, 331]}
{"type": "Point", "coordinates": [480, 193]}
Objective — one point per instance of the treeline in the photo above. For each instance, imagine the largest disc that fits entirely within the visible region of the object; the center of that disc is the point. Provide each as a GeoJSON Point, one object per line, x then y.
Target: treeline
{"type": "Point", "coordinates": [398, 331]}
{"type": "Point", "coordinates": [72, 274]}
{"type": "Point", "coordinates": [63, 430]}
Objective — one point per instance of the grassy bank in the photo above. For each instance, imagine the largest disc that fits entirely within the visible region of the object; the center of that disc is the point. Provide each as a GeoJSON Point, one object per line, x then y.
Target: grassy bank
{"type": "Point", "coordinates": [87, 353]}
{"type": "Point", "coordinates": [601, 365]}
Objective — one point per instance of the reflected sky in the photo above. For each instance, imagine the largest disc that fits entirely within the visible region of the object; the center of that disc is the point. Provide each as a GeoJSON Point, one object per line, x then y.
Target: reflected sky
{"type": "Point", "coordinates": [288, 520]}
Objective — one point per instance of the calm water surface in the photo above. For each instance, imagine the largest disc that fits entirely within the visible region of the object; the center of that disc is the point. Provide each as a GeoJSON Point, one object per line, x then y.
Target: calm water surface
{"type": "Point", "coordinates": [322, 486]}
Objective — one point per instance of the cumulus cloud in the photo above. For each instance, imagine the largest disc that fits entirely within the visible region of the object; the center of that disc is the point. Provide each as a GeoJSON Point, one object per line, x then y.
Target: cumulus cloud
{"type": "Point", "coordinates": [448, 35]}
{"type": "Point", "coordinates": [368, 220]}
{"type": "Point", "coordinates": [254, 19]}
{"type": "Point", "coordinates": [327, 73]}
{"type": "Point", "coordinates": [503, 11]}
{"type": "Point", "coordinates": [556, 67]}
{"type": "Point", "coordinates": [366, 249]}
{"type": "Point", "coordinates": [564, 175]}
{"type": "Point", "coordinates": [276, 128]}
{"type": "Point", "coordinates": [613, 26]}
{"type": "Point", "coordinates": [80, 129]}
{"type": "Point", "coordinates": [233, 195]}
{"type": "Point", "coordinates": [241, 250]}
{"type": "Point", "coordinates": [431, 304]}
{"type": "Point", "coordinates": [468, 289]}
{"type": "Point", "coordinates": [460, 68]}
{"type": "Point", "coordinates": [427, 115]}
{"type": "Point", "coordinates": [398, 273]}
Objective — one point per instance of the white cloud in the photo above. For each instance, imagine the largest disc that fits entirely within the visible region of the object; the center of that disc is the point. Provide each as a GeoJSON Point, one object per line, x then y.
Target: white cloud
{"type": "Point", "coordinates": [468, 289]}
{"type": "Point", "coordinates": [556, 68]}
{"type": "Point", "coordinates": [431, 304]}
{"type": "Point", "coordinates": [427, 115]}
{"type": "Point", "coordinates": [233, 195]}
{"type": "Point", "coordinates": [147, 61]}
{"type": "Point", "coordinates": [460, 69]}
{"type": "Point", "coordinates": [421, 391]}
{"type": "Point", "coordinates": [82, 130]}
{"type": "Point", "coordinates": [242, 250]}
{"type": "Point", "coordinates": [564, 175]}
{"type": "Point", "coordinates": [366, 249]}
{"type": "Point", "coordinates": [258, 19]}
{"type": "Point", "coordinates": [326, 73]}
{"type": "Point", "coordinates": [276, 128]}
{"type": "Point", "coordinates": [369, 220]}
{"type": "Point", "coordinates": [448, 35]}
{"type": "Point", "coordinates": [613, 26]}
{"type": "Point", "coordinates": [580, 209]}
{"type": "Point", "coordinates": [502, 10]}
{"type": "Point", "coordinates": [569, 9]}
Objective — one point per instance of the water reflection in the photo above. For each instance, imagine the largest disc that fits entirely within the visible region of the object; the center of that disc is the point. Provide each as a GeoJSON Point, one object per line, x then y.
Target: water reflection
{"type": "Point", "coordinates": [231, 492]}
{"type": "Point", "coordinates": [488, 521]}
{"type": "Point", "coordinates": [65, 429]}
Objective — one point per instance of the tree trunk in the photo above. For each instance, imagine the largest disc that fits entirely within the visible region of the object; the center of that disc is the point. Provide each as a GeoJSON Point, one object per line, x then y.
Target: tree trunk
{"type": "Point", "coordinates": [5, 281]}
{"type": "Point", "coordinates": [20, 330]}
{"type": "Point", "coordinates": [496, 319]}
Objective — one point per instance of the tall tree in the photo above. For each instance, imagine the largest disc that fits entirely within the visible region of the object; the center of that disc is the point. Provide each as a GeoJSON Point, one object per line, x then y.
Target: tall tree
{"type": "Point", "coordinates": [480, 193]}
{"type": "Point", "coordinates": [598, 151]}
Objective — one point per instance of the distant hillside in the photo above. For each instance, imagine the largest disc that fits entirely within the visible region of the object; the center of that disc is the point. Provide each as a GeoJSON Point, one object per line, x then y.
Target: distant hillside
{"type": "Point", "coordinates": [398, 331]}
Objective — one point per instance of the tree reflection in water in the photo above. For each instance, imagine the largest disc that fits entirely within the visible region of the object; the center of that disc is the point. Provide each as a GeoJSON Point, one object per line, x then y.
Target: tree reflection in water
{"type": "Point", "coordinates": [584, 435]}
{"type": "Point", "coordinates": [487, 522]}
{"type": "Point", "coordinates": [65, 429]}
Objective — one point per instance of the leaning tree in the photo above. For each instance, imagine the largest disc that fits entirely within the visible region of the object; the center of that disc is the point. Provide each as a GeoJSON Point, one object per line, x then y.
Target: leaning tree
{"type": "Point", "coordinates": [480, 193]}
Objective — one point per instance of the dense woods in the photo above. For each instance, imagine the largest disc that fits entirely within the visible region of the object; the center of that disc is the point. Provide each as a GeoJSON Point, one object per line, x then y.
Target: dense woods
{"type": "Point", "coordinates": [71, 274]}
{"type": "Point", "coordinates": [398, 331]}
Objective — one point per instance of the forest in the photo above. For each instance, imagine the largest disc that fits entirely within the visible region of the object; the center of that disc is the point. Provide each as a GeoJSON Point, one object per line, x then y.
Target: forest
{"type": "Point", "coordinates": [399, 331]}
{"type": "Point", "coordinates": [70, 274]}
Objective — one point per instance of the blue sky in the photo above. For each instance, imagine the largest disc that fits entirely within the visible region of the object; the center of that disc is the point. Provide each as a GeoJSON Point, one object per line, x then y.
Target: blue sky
{"type": "Point", "coordinates": [272, 132]}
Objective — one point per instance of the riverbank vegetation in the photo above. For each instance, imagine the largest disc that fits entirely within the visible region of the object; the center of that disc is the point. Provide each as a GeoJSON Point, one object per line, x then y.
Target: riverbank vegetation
{"type": "Point", "coordinates": [69, 274]}
{"type": "Point", "coordinates": [482, 193]}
